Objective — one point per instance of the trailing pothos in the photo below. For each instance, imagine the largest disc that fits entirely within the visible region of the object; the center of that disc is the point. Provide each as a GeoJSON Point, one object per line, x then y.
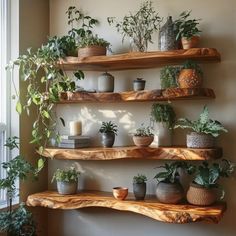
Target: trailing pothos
{"type": "Point", "coordinates": [45, 80]}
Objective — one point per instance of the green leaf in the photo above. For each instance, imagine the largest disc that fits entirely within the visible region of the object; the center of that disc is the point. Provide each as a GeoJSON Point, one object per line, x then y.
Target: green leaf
{"type": "Point", "coordinates": [62, 121]}
{"type": "Point", "coordinates": [18, 107]}
{"type": "Point", "coordinates": [40, 164]}
{"type": "Point", "coordinates": [45, 114]}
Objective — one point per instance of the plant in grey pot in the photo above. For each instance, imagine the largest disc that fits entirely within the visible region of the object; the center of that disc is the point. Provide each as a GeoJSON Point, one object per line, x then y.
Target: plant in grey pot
{"type": "Point", "coordinates": [67, 180]}
{"type": "Point", "coordinates": [163, 117]}
{"type": "Point", "coordinates": [143, 136]}
{"type": "Point", "coordinates": [139, 186]}
{"type": "Point", "coordinates": [205, 130]}
{"type": "Point", "coordinates": [202, 190]}
{"type": "Point", "coordinates": [108, 132]}
{"type": "Point", "coordinates": [169, 188]}
{"type": "Point", "coordinates": [168, 76]}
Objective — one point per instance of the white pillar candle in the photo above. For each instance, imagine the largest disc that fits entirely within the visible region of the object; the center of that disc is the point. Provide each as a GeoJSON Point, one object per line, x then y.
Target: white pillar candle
{"type": "Point", "coordinates": [75, 127]}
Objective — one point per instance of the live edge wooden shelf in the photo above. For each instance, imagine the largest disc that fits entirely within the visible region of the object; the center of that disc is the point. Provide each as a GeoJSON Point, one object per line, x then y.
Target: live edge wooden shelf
{"type": "Point", "coordinates": [139, 60]}
{"type": "Point", "coordinates": [139, 96]}
{"type": "Point", "coordinates": [133, 152]}
{"type": "Point", "coordinates": [150, 207]}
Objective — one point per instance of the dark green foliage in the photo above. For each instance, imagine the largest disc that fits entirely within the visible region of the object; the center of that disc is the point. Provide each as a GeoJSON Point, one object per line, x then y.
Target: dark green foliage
{"type": "Point", "coordinates": [189, 64]}
{"type": "Point", "coordinates": [170, 174]}
{"type": "Point", "coordinates": [108, 127]}
{"type": "Point", "coordinates": [139, 179]}
{"type": "Point", "coordinates": [168, 77]}
{"type": "Point", "coordinates": [139, 26]}
{"type": "Point", "coordinates": [202, 125]}
{"type": "Point", "coordinates": [143, 131]}
{"type": "Point", "coordinates": [69, 175]}
{"type": "Point", "coordinates": [163, 113]}
{"type": "Point", "coordinates": [185, 27]}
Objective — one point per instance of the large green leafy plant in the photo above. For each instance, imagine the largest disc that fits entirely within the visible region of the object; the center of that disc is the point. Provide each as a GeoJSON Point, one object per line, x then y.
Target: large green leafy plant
{"type": "Point", "coordinates": [139, 26]}
{"type": "Point", "coordinates": [202, 125]}
{"type": "Point", "coordinates": [69, 175]}
{"type": "Point", "coordinates": [17, 221]}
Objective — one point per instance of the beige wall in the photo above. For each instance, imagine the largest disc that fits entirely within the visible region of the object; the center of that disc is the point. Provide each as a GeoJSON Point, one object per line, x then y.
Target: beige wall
{"type": "Point", "coordinates": [34, 29]}
{"type": "Point", "coordinates": [218, 31]}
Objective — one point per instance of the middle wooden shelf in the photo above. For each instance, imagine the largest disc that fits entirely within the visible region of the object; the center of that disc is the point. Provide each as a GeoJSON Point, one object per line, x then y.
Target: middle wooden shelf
{"type": "Point", "coordinates": [133, 152]}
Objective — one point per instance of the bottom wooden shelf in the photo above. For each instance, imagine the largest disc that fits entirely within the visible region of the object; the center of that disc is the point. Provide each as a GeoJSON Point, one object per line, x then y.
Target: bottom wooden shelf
{"type": "Point", "coordinates": [182, 213]}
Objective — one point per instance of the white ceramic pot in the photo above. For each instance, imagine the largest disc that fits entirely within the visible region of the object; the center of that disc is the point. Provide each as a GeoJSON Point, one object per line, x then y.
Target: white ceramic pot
{"type": "Point", "coordinates": [162, 135]}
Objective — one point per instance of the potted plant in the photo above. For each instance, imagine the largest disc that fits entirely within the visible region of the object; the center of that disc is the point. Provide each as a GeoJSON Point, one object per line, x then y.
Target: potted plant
{"type": "Point", "coordinates": [91, 45]}
{"type": "Point", "coordinates": [163, 117]}
{"type": "Point", "coordinates": [108, 132]}
{"type": "Point", "coordinates": [168, 76]}
{"type": "Point", "coordinates": [17, 220]}
{"type": "Point", "coordinates": [138, 27]}
{"type": "Point", "coordinates": [169, 188]}
{"type": "Point", "coordinates": [205, 130]}
{"type": "Point", "coordinates": [202, 190]}
{"type": "Point", "coordinates": [190, 75]}
{"type": "Point", "coordinates": [139, 186]}
{"type": "Point", "coordinates": [187, 30]}
{"type": "Point", "coordinates": [143, 136]}
{"type": "Point", "coordinates": [67, 180]}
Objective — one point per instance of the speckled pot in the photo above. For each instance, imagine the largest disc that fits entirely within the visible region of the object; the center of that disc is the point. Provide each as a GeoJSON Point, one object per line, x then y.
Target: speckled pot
{"type": "Point", "coordinates": [200, 140]}
{"type": "Point", "coordinates": [170, 193]}
{"type": "Point", "coordinates": [189, 78]}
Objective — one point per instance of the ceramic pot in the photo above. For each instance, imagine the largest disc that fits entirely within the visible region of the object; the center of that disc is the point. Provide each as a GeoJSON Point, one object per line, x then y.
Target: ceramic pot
{"type": "Point", "coordinates": [105, 83]}
{"type": "Point", "coordinates": [139, 191]}
{"type": "Point", "coordinates": [169, 193]}
{"type": "Point", "coordinates": [120, 193]}
{"type": "Point", "coordinates": [189, 78]}
{"type": "Point", "coordinates": [167, 36]}
{"type": "Point", "coordinates": [92, 51]}
{"type": "Point", "coordinates": [191, 42]}
{"type": "Point", "coordinates": [198, 195]}
{"type": "Point", "coordinates": [67, 187]}
{"type": "Point", "coordinates": [200, 140]}
{"type": "Point", "coordinates": [163, 136]}
{"type": "Point", "coordinates": [108, 139]}
{"type": "Point", "coordinates": [139, 84]}
{"type": "Point", "coordinates": [143, 141]}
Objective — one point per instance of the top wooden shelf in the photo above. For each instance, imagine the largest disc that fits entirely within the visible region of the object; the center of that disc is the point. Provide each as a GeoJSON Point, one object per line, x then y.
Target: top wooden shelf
{"type": "Point", "coordinates": [139, 60]}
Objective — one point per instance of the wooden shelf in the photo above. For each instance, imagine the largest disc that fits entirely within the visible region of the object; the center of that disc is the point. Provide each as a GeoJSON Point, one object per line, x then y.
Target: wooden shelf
{"type": "Point", "coordinates": [133, 152]}
{"type": "Point", "coordinates": [139, 96]}
{"type": "Point", "coordinates": [183, 213]}
{"type": "Point", "coordinates": [139, 60]}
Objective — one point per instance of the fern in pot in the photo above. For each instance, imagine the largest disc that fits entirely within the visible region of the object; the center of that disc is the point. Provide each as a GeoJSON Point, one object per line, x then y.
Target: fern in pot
{"type": "Point", "coordinates": [205, 130]}
{"type": "Point", "coordinates": [163, 117]}
{"type": "Point", "coordinates": [169, 189]}
{"type": "Point", "coordinates": [67, 180]}
{"type": "Point", "coordinates": [139, 186]}
{"type": "Point", "coordinates": [203, 189]}
{"type": "Point", "coordinates": [108, 132]}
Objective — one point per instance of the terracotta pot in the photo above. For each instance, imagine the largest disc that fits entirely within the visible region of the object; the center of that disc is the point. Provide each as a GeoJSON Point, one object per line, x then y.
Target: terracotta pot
{"type": "Point", "coordinates": [200, 140]}
{"type": "Point", "coordinates": [120, 193]}
{"type": "Point", "coordinates": [189, 78]}
{"type": "Point", "coordinates": [170, 193]}
{"type": "Point", "coordinates": [198, 195]}
{"type": "Point", "coordinates": [143, 141]}
{"type": "Point", "coordinates": [191, 42]}
{"type": "Point", "coordinates": [92, 51]}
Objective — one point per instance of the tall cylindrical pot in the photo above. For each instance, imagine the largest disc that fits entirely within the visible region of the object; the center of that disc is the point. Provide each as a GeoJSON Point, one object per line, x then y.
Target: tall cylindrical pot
{"type": "Point", "coordinates": [163, 136]}
{"type": "Point", "coordinates": [139, 191]}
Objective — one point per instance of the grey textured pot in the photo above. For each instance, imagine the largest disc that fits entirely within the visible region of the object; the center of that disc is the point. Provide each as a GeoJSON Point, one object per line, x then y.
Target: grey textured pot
{"type": "Point", "coordinates": [139, 84]}
{"type": "Point", "coordinates": [139, 191]}
{"type": "Point", "coordinates": [200, 140]}
{"type": "Point", "coordinates": [105, 83]}
{"type": "Point", "coordinates": [169, 193]}
{"type": "Point", "coordinates": [108, 139]}
{"type": "Point", "coordinates": [67, 188]}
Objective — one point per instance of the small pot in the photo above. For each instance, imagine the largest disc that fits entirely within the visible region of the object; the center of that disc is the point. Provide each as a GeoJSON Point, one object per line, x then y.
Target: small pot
{"type": "Point", "coordinates": [198, 195]}
{"type": "Point", "coordinates": [67, 187]}
{"type": "Point", "coordinates": [200, 140]}
{"type": "Point", "coordinates": [105, 83]}
{"type": "Point", "coordinates": [191, 42]}
{"type": "Point", "coordinates": [170, 193]}
{"type": "Point", "coordinates": [139, 191]}
{"type": "Point", "coordinates": [120, 193]}
{"type": "Point", "coordinates": [108, 139]}
{"type": "Point", "coordinates": [92, 51]}
{"type": "Point", "coordinates": [139, 84]}
{"type": "Point", "coordinates": [143, 141]}
{"type": "Point", "coordinates": [189, 78]}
